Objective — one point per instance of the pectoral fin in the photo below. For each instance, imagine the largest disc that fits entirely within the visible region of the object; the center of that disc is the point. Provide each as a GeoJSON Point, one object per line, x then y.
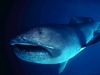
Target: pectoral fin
{"type": "Point", "coordinates": [62, 66]}
{"type": "Point", "coordinates": [93, 41]}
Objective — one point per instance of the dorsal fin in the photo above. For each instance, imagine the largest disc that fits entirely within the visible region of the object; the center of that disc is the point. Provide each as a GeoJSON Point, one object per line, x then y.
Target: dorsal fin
{"type": "Point", "coordinates": [80, 20]}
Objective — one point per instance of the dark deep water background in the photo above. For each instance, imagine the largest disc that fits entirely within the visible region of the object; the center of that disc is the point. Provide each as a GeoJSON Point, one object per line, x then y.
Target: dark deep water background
{"type": "Point", "coordinates": [20, 14]}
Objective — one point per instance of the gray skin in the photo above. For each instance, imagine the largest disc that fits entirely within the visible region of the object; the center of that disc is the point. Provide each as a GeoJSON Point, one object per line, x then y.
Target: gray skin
{"type": "Point", "coordinates": [55, 43]}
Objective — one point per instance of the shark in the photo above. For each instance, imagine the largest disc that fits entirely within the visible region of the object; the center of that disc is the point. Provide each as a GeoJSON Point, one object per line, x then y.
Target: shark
{"type": "Point", "coordinates": [56, 43]}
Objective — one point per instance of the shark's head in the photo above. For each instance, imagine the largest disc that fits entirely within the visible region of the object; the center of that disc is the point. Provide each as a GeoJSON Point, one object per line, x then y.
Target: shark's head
{"type": "Point", "coordinates": [39, 45]}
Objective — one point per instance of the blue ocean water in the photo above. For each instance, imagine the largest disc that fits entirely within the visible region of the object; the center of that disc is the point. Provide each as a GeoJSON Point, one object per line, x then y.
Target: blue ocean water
{"type": "Point", "coordinates": [30, 12]}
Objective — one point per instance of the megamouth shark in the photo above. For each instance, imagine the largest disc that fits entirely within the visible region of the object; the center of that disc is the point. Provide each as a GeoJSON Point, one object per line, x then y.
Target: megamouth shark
{"type": "Point", "coordinates": [56, 43]}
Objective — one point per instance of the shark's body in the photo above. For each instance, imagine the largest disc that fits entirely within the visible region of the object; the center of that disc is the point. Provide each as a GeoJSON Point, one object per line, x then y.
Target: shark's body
{"type": "Point", "coordinates": [52, 44]}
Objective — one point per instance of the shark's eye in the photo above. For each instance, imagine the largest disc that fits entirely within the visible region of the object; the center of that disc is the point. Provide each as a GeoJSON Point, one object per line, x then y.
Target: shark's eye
{"type": "Point", "coordinates": [39, 30]}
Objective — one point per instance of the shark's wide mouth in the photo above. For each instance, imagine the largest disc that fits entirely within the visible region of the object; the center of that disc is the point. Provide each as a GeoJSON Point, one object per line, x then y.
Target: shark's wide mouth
{"type": "Point", "coordinates": [30, 48]}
